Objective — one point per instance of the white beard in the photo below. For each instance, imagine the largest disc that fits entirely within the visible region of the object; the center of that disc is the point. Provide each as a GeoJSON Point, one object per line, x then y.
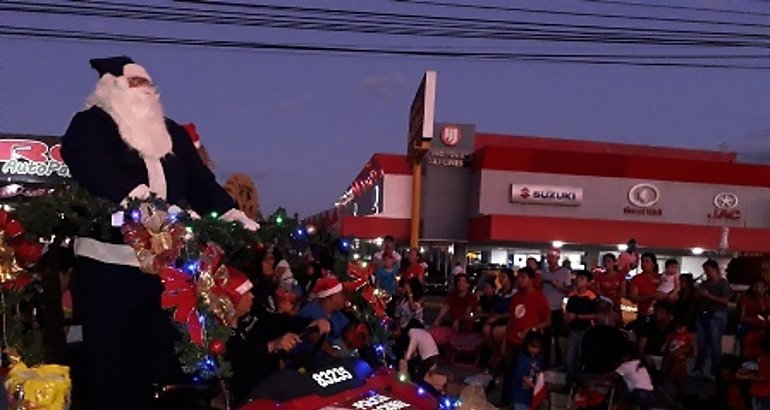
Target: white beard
{"type": "Point", "coordinates": [138, 114]}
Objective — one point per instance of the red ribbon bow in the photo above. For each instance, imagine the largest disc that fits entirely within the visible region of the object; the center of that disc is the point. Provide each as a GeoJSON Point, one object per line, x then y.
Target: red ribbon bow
{"type": "Point", "coordinates": [359, 282]}
{"type": "Point", "coordinates": [180, 292]}
{"type": "Point", "coordinates": [359, 277]}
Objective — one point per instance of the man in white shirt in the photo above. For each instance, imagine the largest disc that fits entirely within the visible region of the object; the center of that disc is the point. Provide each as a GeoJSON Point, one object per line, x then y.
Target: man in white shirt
{"type": "Point", "coordinates": [557, 283]}
{"type": "Point", "coordinates": [388, 247]}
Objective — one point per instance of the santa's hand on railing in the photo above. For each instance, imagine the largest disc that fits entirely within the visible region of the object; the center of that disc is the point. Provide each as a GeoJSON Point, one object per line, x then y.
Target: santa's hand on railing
{"type": "Point", "coordinates": [235, 215]}
{"type": "Point", "coordinates": [141, 191]}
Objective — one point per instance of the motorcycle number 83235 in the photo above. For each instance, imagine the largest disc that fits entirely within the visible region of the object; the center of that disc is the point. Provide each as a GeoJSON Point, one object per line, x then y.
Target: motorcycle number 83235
{"type": "Point", "coordinates": [332, 376]}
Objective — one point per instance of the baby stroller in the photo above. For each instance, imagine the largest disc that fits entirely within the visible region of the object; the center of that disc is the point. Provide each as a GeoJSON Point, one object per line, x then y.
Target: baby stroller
{"type": "Point", "coordinates": [601, 349]}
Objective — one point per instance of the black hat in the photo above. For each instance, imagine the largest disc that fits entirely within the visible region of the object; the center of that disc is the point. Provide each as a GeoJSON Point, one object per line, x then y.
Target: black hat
{"type": "Point", "coordinates": [112, 65]}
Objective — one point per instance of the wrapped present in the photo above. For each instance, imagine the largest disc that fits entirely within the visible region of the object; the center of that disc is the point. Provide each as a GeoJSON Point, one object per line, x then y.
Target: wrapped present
{"type": "Point", "coordinates": [41, 387]}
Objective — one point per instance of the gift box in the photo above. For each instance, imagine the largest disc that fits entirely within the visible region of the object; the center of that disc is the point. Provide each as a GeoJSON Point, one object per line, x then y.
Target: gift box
{"type": "Point", "coordinates": [40, 387]}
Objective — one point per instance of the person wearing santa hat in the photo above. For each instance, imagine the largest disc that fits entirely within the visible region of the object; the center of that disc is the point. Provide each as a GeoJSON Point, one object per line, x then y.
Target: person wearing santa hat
{"type": "Point", "coordinates": [237, 288]}
{"type": "Point", "coordinates": [119, 148]}
{"type": "Point", "coordinates": [328, 304]}
{"type": "Point", "coordinates": [260, 338]}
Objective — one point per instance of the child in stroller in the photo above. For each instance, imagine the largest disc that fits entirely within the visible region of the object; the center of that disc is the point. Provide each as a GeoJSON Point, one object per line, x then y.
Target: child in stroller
{"type": "Point", "coordinates": [601, 350]}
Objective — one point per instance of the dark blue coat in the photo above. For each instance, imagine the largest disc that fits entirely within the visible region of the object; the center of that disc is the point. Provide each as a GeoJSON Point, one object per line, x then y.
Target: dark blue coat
{"type": "Point", "coordinates": [106, 166]}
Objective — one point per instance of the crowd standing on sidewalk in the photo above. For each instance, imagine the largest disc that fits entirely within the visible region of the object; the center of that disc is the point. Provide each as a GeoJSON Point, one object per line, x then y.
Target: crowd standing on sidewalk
{"type": "Point", "coordinates": [536, 317]}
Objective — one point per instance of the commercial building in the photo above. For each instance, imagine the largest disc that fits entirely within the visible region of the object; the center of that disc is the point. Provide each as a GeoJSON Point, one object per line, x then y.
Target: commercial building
{"type": "Point", "coordinates": [505, 197]}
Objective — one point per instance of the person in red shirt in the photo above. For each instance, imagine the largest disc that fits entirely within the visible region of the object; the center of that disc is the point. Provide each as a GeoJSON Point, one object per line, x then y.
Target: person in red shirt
{"type": "Point", "coordinates": [529, 311]}
{"type": "Point", "coordinates": [760, 379]}
{"type": "Point", "coordinates": [610, 282]}
{"type": "Point", "coordinates": [644, 286]}
{"type": "Point", "coordinates": [414, 268]}
{"type": "Point", "coordinates": [754, 307]}
{"type": "Point", "coordinates": [458, 304]}
{"type": "Point", "coordinates": [533, 264]}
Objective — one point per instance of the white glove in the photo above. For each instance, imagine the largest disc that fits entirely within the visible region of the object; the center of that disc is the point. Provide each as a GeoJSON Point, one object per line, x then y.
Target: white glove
{"type": "Point", "coordinates": [235, 215]}
{"type": "Point", "coordinates": [175, 209]}
{"type": "Point", "coordinates": [141, 191]}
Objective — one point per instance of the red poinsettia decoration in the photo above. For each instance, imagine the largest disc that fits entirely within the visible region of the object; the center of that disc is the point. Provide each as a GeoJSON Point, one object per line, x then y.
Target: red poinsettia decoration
{"type": "Point", "coordinates": [27, 252]}
{"type": "Point", "coordinates": [16, 253]}
{"type": "Point", "coordinates": [18, 283]}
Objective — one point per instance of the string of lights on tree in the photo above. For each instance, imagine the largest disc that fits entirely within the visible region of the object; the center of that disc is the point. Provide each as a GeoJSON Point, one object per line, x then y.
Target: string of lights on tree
{"type": "Point", "coordinates": [175, 244]}
{"type": "Point", "coordinates": [68, 211]}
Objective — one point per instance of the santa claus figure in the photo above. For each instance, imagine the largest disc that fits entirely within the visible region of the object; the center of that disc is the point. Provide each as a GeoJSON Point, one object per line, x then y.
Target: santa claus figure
{"type": "Point", "coordinates": [122, 147]}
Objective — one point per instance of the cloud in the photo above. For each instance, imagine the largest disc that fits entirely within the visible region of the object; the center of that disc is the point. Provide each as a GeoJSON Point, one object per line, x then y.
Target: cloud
{"type": "Point", "coordinates": [383, 85]}
{"type": "Point", "coordinates": [294, 104]}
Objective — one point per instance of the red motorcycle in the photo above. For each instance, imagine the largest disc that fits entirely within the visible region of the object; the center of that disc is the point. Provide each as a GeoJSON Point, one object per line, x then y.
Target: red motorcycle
{"type": "Point", "coordinates": [350, 384]}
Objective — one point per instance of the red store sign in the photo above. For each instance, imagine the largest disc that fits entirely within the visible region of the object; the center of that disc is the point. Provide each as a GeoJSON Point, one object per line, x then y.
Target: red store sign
{"type": "Point", "coordinates": [33, 159]}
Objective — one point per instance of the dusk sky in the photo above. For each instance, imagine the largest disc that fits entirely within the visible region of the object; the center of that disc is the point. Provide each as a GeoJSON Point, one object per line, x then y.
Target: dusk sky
{"type": "Point", "coordinates": [304, 124]}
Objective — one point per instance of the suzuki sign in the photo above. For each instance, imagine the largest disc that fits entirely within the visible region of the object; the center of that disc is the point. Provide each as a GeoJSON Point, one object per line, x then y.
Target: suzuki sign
{"type": "Point", "coordinates": [546, 195]}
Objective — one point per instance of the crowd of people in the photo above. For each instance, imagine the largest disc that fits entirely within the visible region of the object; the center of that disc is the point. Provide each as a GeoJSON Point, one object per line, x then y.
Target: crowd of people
{"type": "Point", "coordinates": [537, 316]}
{"type": "Point", "coordinates": [294, 305]}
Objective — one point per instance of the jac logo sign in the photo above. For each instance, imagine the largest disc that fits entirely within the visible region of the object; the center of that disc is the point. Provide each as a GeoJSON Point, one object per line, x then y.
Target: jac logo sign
{"type": "Point", "coordinates": [725, 204]}
{"type": "Point", "coordinates": [28, 157]}
{"type": "Point", "coordinates": [546, 195]}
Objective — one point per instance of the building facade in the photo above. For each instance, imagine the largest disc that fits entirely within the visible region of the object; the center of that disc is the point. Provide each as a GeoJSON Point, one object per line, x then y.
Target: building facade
{"type": "Point", "coordinates": [509, 197]}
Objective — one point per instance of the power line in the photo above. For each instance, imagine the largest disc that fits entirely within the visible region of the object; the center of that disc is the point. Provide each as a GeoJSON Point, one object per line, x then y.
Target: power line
{"type": "Point", "coordinates": [676, 7]}
{"type": "Point", "coordinates": [597, 59]}
{"type": "Point", "coordinates": [601, 35]}
{"type": "Point", "coordinates": [585, 14]}
{"type": "Point", "coordinates": [463, 21]}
